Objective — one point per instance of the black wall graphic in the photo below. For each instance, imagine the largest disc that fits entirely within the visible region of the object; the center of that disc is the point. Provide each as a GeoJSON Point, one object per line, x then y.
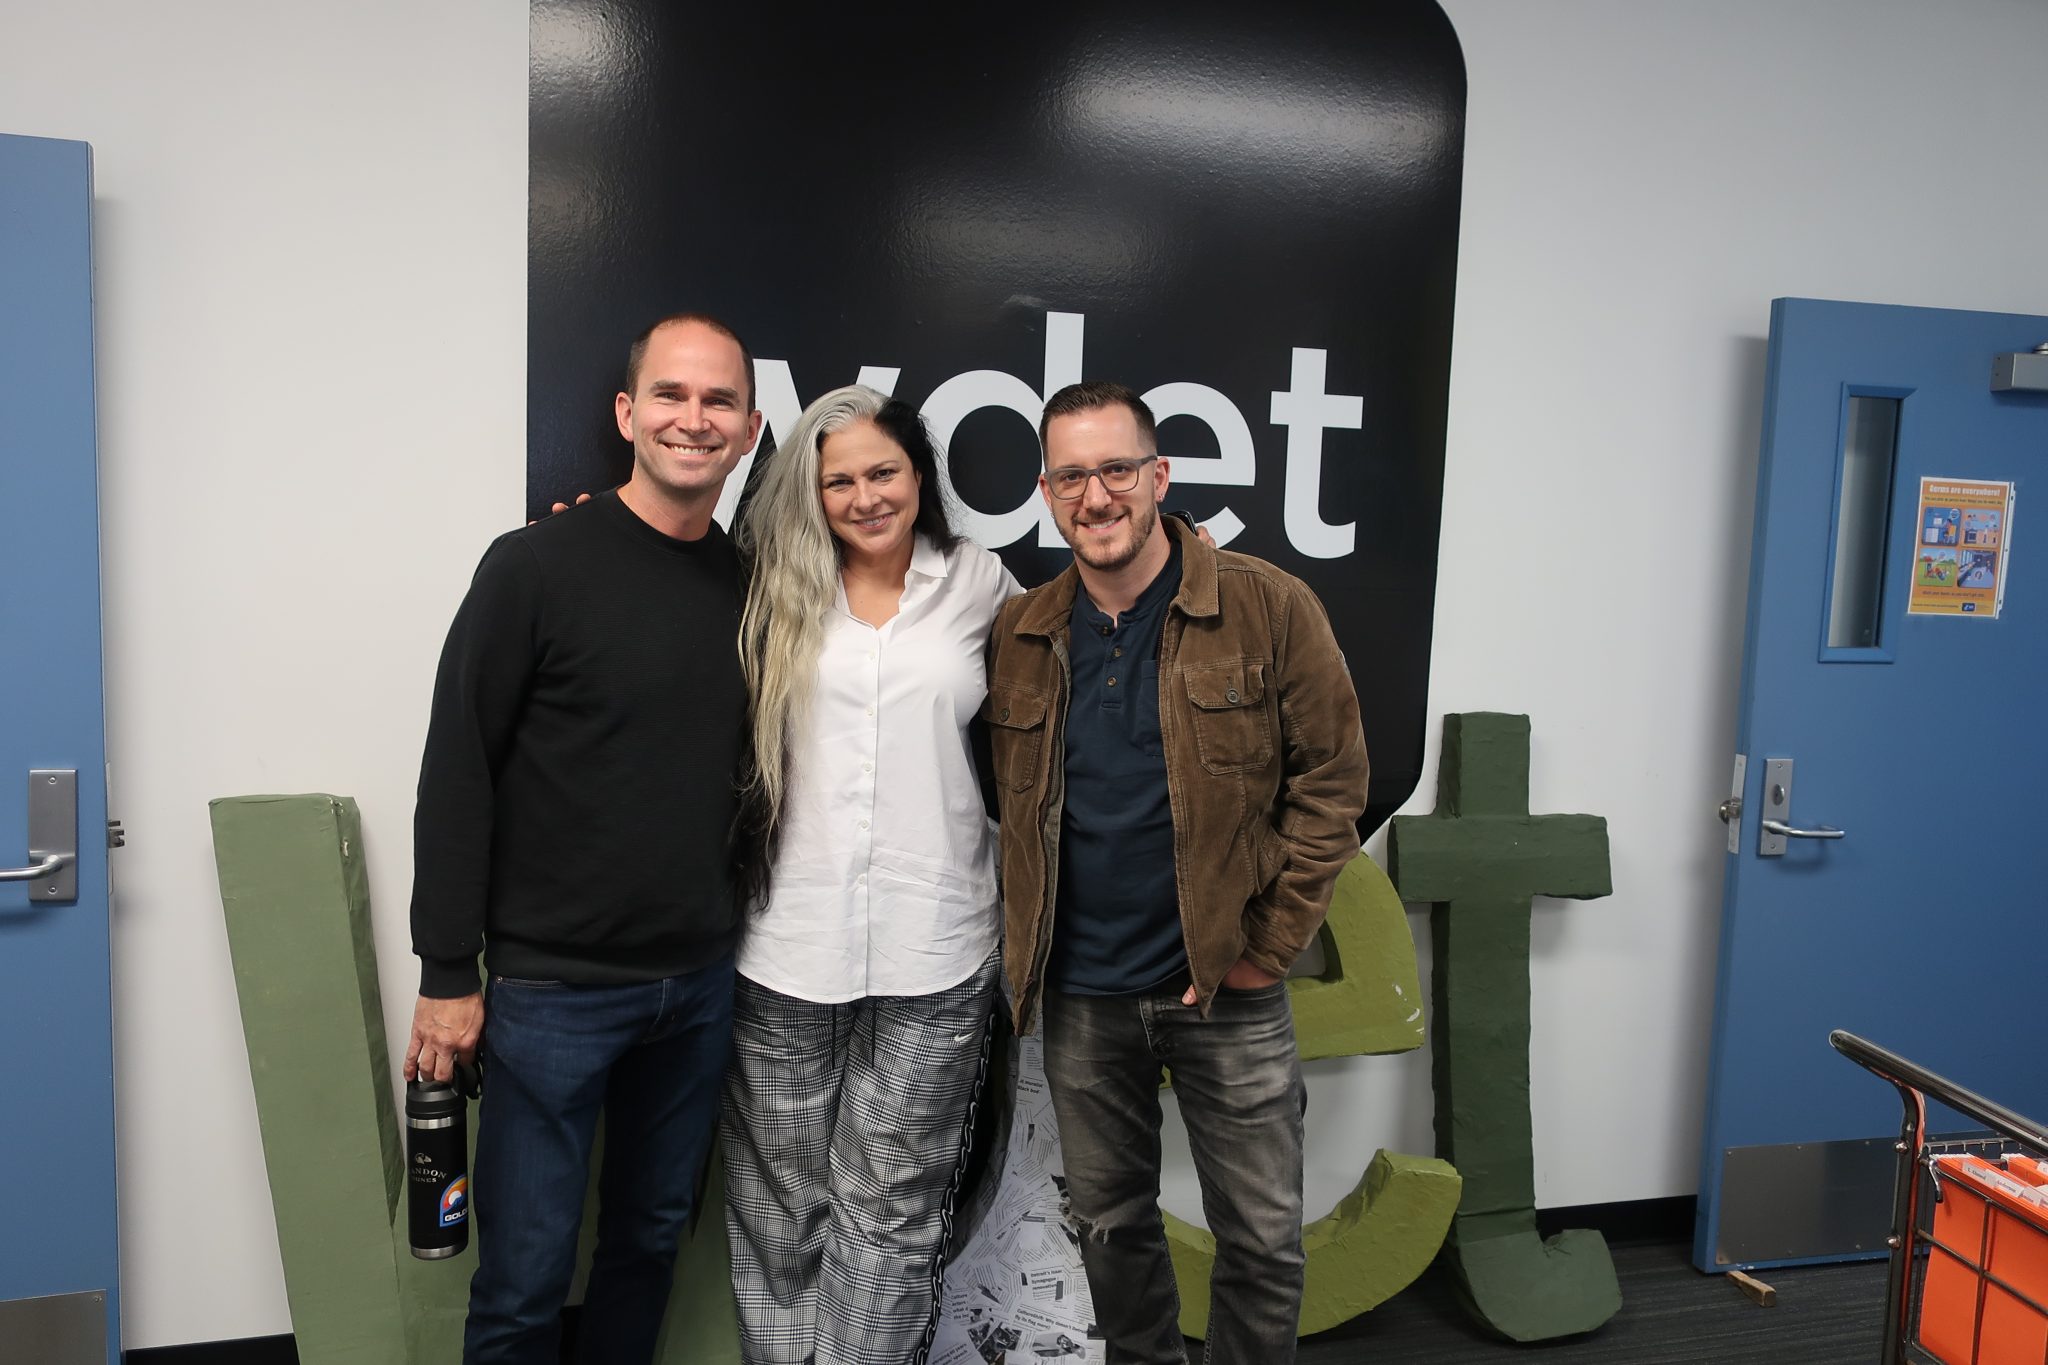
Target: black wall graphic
{"type": "Point", "coordinates": [1248, 211]}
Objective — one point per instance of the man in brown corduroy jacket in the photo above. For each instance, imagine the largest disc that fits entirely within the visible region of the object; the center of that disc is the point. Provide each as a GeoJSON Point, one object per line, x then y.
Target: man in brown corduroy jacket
{"type": "Point", "coordinates": [1180, 770]}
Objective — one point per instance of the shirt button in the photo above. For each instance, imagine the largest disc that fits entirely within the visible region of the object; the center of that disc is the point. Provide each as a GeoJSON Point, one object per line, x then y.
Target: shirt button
{"type": "Point", "coordinates": [1117, 653]}
{"type": "Point", "coordinates": [867, 767]}
{"type": "Point", "coordinates": [871, 710]}
{"type": "Point", "coordinates": [1231, 696]}
{"type": "Point", "coordinates": [1112, 682]}
{"type": "Point", "coordinates": [1104, 629]}
{"type": "Point", "coordinates": [863, 824]}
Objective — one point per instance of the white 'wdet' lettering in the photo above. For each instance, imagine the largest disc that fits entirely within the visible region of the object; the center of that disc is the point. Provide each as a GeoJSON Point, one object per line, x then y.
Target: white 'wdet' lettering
{"type": "Point", "coordinates": [1304, 409]}
{"type": "Point", "coordinates": [952, 401]}
{"type": "Point", "coordinates": [1234, 462]}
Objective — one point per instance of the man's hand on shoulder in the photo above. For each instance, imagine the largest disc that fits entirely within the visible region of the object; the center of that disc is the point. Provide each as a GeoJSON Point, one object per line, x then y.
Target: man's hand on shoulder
{"type": "Point", "coordinates": [1187, 519]}
{"type": "Point", "coordinates": [443, 1033]}
{"type": "Point", "coordinates": [581, 498]}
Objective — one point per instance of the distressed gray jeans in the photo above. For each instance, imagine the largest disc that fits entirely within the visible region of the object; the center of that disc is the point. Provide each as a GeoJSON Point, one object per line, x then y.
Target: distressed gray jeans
{"type": "Point", "coordinates": [1238, 1081]}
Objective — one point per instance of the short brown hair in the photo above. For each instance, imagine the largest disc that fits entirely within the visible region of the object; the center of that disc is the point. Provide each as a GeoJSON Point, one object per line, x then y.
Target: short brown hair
{"type": "Point", "coordinates": [636, 354]}
{"type": "Point", "coordinates": [1093, 394]}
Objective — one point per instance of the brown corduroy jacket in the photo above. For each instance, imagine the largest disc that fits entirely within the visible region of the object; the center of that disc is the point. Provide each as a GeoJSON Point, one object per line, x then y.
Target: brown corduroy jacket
{"type": "Point", "coordinates": [1265, 764]}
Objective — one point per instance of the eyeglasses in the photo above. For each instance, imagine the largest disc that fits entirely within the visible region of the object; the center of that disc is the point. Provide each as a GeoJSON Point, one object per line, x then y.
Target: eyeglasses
{"type": "Point", "coordinates": [1118, 476]}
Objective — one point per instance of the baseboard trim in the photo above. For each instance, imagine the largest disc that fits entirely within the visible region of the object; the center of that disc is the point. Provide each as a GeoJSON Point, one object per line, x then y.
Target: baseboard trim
{"type": "Point", "coordinates": [279, 1350]}
{"type": "Point", "coordinates": [1629, 1220]}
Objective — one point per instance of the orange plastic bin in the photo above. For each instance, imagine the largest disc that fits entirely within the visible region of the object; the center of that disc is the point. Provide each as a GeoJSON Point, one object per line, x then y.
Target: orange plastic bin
{"type": "Point", "coordinates": [1985, 1297]}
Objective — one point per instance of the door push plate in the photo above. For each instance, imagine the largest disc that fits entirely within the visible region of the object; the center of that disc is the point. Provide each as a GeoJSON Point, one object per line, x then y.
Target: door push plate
{"type": "Point", "coordinates": [53, 830]}
{"type": "Point", "coordinates": [1777, 806]}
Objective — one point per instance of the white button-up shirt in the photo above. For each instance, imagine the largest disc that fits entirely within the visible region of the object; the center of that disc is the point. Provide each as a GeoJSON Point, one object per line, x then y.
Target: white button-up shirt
{"type": "Point", "coordinates": [885, 881]}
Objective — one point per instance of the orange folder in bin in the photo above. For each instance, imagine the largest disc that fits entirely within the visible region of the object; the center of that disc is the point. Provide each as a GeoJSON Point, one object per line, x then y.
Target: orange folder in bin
{"type": "Point", "coordinates": [1975, 1305]}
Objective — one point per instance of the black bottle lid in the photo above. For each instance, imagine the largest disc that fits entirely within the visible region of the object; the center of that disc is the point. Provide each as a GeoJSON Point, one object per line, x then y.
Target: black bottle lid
{"type": "Point", "coordinates": [431, 1099]}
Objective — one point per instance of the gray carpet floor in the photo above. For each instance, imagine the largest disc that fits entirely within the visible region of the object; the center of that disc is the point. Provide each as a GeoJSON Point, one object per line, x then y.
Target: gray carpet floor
{"type": "Point", "coordinates": [1824, 1315]}
{"type": "Point", "coordinates": [1670, 1313]}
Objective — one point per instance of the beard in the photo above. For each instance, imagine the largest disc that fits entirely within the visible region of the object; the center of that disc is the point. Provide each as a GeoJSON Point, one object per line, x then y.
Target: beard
{"type": "Point", "coordinates": [1140, 525]}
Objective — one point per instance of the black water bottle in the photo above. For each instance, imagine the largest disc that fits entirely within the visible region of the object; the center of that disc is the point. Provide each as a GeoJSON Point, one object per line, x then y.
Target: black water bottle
{"type": "Point", "coordinates": [437, 1164]}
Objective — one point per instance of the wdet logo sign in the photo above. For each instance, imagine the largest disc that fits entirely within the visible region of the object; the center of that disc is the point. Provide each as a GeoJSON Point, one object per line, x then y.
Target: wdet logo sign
{"type": "Point", "coordinates": [1247, 213]}
{"type": "Point", "coordinates": [1304, 410]}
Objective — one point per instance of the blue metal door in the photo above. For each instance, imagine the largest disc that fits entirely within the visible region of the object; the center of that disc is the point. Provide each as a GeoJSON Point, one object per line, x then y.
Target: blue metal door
{"type": "Point", "coordinates": [58, 1265]}
{"type": "Point", "coordinates": [1920, 739]}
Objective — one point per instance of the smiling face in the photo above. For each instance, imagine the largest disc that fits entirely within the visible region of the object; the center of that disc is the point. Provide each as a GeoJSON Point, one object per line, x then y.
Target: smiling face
{"type": "Point", "coordinates": [688, 418]}
{"type": "Point", "coordinates": [869, 491]}
{"type": "Point", "coordinates": [1109, 531]}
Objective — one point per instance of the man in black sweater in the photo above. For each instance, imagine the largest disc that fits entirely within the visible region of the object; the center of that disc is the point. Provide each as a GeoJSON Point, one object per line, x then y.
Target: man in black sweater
{"type": "Point", "coordinates": [575, 805]}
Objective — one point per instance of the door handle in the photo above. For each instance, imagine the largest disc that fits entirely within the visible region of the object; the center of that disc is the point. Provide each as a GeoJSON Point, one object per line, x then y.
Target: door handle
{"type": "Point", "coordinates": [42, 869]}
{"type": "Point", "coordinates": [52, 871]}
{"type": "Point", "coordinates": [1785, 831]}
{"type": "Point", "coordinates": [1775, 825]}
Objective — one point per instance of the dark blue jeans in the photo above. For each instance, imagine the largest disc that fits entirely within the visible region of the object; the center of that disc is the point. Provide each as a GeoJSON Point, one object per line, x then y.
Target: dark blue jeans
{"type": "Point", "coordinates": [1238, 1080]}
{"type": "Point", "coordinates": [652, 1058]}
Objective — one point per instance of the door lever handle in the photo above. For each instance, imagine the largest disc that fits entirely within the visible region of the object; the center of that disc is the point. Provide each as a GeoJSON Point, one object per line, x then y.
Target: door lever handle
{"type": "Point", "coordinates": [52, 872]}
{"type": "Point", "coordinates": [41, 869]}
{"type": "Point", "coordinates": [1774, 828]}
{"type": "Point", "coordinates": [1785, 831]}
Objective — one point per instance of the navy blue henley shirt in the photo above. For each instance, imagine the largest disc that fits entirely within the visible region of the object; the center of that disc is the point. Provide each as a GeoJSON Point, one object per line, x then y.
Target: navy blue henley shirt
{"type": "Point", "coordinates": [1117, 927]}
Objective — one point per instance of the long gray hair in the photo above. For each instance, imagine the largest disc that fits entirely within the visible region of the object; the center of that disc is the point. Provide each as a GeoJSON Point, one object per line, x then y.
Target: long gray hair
{"type": "Point", "coordinates": [795, 582]}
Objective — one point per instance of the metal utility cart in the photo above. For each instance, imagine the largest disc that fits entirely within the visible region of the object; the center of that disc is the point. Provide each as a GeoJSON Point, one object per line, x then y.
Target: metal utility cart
{"type": "Point", "coordinates": [1969, 1260]}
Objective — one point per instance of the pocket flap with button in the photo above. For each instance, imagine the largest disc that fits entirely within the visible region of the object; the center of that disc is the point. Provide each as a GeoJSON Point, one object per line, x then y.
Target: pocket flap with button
{"type": "Point", "coordinates": [1016, 732]}
{"type": "Point", "coordinates": [1014, 709]}
{"type": "Point", "coordinates": [1216, 687]}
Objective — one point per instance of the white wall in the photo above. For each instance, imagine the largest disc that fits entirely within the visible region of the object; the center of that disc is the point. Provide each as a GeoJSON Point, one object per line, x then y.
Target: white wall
{"type": "Point", "coordinates": [312, 283]}
{"type": "Point", "coordinates": [1640, 180]}
{"type": "Point", "coordinates": [312, 304]}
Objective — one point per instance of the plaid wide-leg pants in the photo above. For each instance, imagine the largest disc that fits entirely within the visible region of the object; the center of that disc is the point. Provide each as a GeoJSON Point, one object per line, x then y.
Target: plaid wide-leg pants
{"type": "Point", "coordinates": [846, 1130]}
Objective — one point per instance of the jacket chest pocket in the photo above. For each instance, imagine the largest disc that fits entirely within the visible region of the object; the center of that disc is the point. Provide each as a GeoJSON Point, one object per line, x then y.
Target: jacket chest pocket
{"type": "Point", "coordinates": [1016, 728]}
{"type": "Point", "coordinates": [1233, 732]}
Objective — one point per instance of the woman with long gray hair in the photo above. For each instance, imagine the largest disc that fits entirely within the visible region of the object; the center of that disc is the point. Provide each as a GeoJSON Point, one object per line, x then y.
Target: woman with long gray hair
{"type": "Point", "coordinates": [867, 974]}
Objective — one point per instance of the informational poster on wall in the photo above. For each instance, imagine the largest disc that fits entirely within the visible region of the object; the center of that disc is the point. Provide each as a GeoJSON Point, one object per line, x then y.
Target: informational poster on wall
{"type": "Point", "coordinates": [1964, 542]}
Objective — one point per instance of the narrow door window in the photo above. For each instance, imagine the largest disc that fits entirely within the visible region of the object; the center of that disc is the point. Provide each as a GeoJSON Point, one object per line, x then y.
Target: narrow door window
{"type": "Point", "coordinates": [1863, 500]}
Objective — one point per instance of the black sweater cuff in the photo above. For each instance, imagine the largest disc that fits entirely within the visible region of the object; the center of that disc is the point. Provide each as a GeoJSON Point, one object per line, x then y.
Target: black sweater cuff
{"type": "Point", "coordinates": [448, 978]}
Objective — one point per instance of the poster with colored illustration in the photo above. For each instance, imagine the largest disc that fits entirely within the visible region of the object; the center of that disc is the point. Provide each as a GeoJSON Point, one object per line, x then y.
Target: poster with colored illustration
{"type": "Point", "coordinates": [1964, 538]}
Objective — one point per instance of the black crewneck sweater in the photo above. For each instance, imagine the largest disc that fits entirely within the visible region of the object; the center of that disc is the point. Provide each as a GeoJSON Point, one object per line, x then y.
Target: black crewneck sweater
{"type": "Point", "coordinates": [576, 797]}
